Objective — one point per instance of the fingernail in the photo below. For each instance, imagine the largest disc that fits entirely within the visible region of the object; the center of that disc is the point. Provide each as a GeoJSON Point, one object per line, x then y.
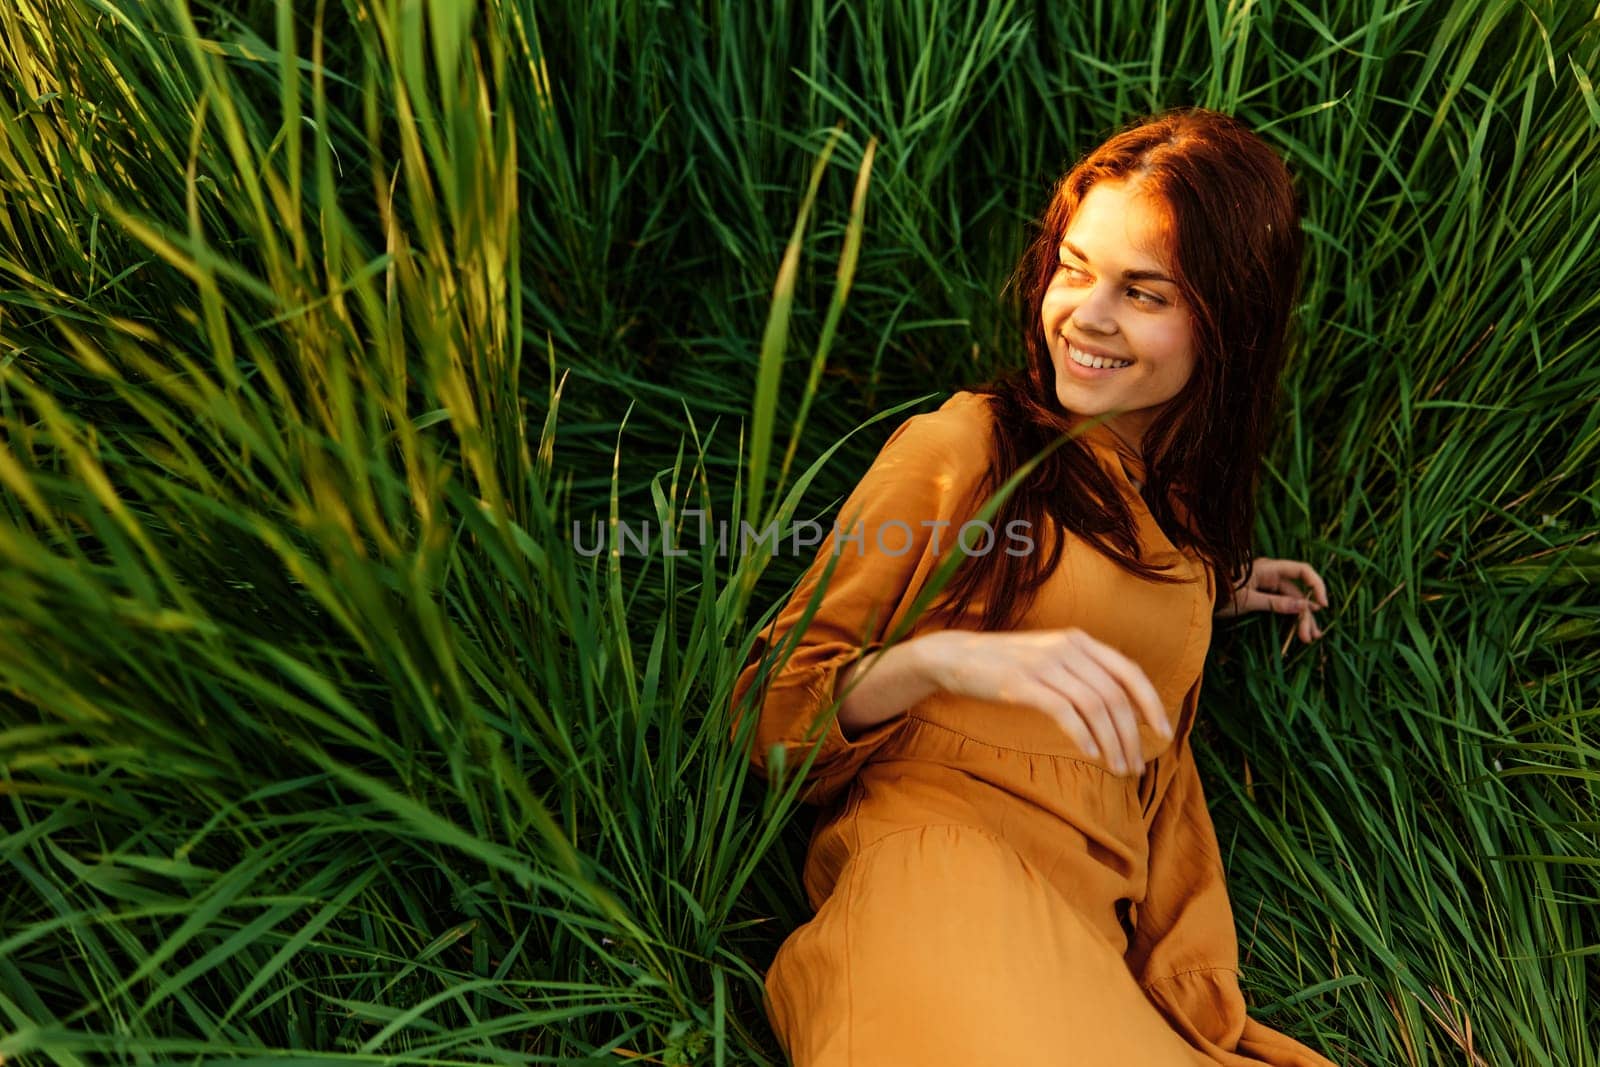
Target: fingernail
{"type": "Point", "coordinates": [1093, 750]}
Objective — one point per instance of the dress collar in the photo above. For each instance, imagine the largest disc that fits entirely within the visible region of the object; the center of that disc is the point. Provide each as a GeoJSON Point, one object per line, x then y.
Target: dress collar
{"type": "Point", "coordinates": [1116, 454]}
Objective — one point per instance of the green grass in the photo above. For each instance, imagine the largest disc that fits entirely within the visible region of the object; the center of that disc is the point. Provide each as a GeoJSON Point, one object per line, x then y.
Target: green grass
{"type": "Point", "coordinates": [321, 323]}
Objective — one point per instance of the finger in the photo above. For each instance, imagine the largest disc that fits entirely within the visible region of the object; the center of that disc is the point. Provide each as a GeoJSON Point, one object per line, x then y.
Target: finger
{"type": "Point", "coordinates": [1289, 604]}
{"type": "Point", "coordinates": [1270, 576]}
{"type": "Point", "coordinates": [1136, 684]}
{"type": "Point", "coordinates": [1307, 575]}
{"type": "Point", "coordinates": [1316, 582]}
{"type": "Point", "coordinates": [1132, 682]}
{"type": "Point", "coordinates": [1255, 600]}
{"type": "Point", "coordinates": [1313, 631]}
{"type": "Point", "coordinates": [1118, 709]}
{"type": "Point", "coordinates": [1049, 700]}
{"type": "Point", "coordinates": [1084, 703]}
{"type": "Point", "coordinates": [1271, 568]}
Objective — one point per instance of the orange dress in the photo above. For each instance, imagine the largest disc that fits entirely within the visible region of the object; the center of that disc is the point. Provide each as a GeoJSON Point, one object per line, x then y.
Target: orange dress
{"type": "Point", "coordinates": [985, 891]}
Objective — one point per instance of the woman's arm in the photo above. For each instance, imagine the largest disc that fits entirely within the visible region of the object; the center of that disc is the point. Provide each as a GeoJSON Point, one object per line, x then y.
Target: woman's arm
{"type": "Point", "coordinates": [926, 475]}
{"type": "Point", "coordinates": [887, 682]}
{"type": "Point", "coordinates": [1097, 694]}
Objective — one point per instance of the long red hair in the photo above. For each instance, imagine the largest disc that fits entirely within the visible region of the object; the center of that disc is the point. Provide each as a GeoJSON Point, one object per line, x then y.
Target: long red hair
{"type": "Point", "coordinates": [1236, 246]}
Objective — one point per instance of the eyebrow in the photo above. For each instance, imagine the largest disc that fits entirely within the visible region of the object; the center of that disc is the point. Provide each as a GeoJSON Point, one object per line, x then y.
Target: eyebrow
{"type": "Point", "coordinates": [1127, 275]}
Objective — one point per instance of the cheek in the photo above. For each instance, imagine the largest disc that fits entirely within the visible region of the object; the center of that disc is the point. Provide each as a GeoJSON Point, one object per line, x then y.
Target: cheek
{"type": "Point", "coordinates": [1172, 343]}
{"type": "Point", "coordinates": [1052, 306]}
{"type": "Point", "coordinates": [1060, 299]}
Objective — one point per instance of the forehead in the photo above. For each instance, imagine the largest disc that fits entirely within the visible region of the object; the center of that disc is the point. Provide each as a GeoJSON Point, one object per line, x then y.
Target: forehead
{"type": "Point", "coordinates": [1121, 224]}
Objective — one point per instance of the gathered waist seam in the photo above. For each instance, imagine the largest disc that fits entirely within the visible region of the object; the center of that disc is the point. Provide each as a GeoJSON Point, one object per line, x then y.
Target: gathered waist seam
{"type": "Point", "coordinates": [862, 850]}
{"type": "Point", "coordinates": [897, 752]}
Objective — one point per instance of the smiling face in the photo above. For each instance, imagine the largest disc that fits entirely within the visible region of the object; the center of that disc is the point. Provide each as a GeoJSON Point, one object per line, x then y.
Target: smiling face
{"type": "Point", "coordinates": [1114, 301]}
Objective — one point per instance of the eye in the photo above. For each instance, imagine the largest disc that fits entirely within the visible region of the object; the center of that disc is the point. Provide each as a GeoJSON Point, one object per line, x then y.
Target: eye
{"type": "Point", "coordinates": [1073, 270]}
{"type": "Point", "coordinates": [1145, 297]}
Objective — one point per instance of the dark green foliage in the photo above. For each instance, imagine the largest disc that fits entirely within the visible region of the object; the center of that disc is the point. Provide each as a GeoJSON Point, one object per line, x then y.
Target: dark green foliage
{"type": "Point", "coordinates": [320, 325]}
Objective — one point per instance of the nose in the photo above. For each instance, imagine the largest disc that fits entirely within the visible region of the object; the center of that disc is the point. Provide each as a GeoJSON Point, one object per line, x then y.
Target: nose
{"type": "Point", "coordinates": [1094, 314]}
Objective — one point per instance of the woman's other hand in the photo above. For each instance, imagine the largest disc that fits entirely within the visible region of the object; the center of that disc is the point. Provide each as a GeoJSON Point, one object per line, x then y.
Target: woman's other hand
{"type": "Point", "coordinates": [1096, 693]}
{"type": "Point", "coordinates": [1269, 588]}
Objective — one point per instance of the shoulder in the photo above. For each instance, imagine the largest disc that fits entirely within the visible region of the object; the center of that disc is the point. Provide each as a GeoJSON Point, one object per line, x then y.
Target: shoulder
{"type": "Point", "coordinates": [944, 454]}
{"type": "Point", "coordinates": [960, 428]}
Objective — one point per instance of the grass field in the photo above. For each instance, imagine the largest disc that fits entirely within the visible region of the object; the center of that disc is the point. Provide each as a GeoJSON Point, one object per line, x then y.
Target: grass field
{"type": "Point", "coordinates": [322, 323]}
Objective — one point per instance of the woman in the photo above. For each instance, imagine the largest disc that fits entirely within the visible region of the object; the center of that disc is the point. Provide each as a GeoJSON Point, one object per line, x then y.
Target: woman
{"type": "Point", "coordinates": [1014, 861]}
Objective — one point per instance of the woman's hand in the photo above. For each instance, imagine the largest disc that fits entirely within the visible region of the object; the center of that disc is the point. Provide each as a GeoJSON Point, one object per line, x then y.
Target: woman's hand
{"type": "Point", "coordinates": [1096, 693]}
{"type": "Point", "coordinates": [1268, 589]}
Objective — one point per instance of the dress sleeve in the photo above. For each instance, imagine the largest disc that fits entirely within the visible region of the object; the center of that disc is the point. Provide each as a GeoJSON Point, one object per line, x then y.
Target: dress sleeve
{"type": "Point", "coordinates": [890, 534]}
{"type": "Point", "coordinates": [1184, 949]}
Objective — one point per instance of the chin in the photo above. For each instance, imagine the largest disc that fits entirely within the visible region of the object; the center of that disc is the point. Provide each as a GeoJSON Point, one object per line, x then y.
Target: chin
{"type": "Point", "coordinates": [1071, 392]}
{"type": "Point", "coordinates": [1079, 404]}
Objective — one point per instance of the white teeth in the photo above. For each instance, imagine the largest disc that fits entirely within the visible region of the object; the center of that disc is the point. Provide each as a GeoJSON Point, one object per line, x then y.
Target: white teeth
{"type": "Point", "coordinates": [1086, 360]}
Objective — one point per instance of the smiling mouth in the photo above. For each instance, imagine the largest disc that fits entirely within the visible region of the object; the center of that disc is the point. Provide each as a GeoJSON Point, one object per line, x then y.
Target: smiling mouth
{"type": "Point", "coordinates": [1084, 359]}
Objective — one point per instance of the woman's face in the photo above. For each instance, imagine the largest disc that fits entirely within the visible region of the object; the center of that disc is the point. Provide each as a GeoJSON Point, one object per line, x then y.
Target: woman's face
{"type": "Point", "coordinates": [1113, 297]}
